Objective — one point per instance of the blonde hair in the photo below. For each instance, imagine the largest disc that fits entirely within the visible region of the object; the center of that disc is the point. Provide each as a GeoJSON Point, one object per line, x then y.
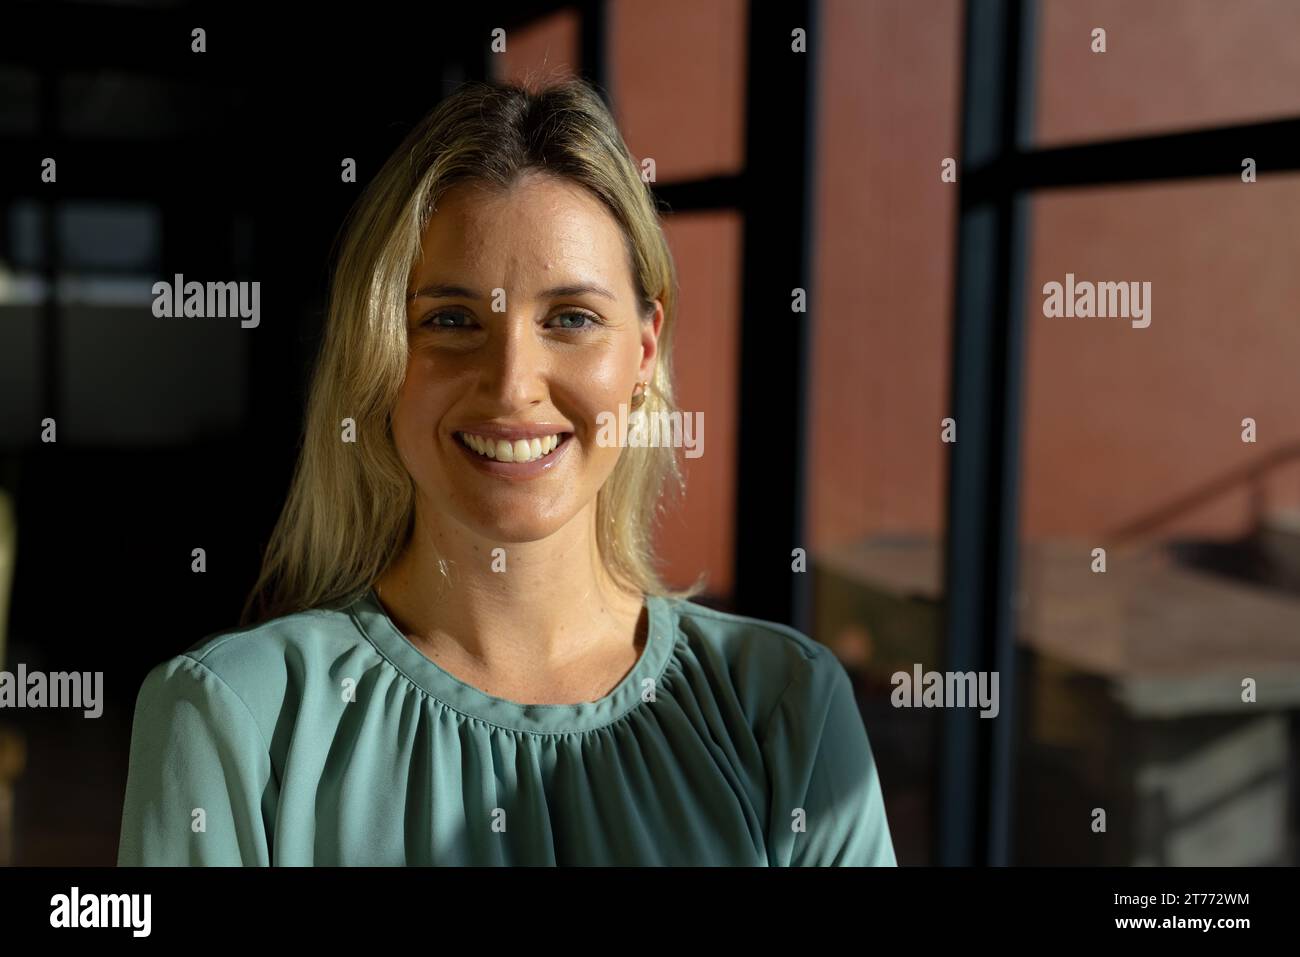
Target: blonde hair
{"type": "Point", "coordinates": [351, 506]}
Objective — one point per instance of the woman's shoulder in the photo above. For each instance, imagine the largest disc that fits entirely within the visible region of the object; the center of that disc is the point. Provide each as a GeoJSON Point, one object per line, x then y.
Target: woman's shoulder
{"type": "Point", "coordinates": [773, 660]}
{"type": "Point", "coordinates": [260, 661]}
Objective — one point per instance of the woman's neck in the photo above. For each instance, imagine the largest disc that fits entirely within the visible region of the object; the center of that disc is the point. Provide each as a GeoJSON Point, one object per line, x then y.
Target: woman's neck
{"type": "Point", "coordinates": [512, 611]}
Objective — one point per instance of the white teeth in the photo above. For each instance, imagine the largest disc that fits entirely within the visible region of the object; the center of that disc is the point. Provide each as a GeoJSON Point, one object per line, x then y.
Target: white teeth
{"type": "Point", "coordinates": [520, 450]}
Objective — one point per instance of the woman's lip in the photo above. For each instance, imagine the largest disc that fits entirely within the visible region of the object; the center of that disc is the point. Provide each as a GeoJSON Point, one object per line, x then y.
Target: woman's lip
{"type": "Point", "coordinates": [516, 470]}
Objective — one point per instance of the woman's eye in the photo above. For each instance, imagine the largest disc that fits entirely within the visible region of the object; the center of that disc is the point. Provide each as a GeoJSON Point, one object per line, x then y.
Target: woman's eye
{"type": "Point", "coordinates": [455, 319]}
{"type": "Point", "coordinates": [581, 320]}
{"type": "Point", "coordinates": [446, 320]}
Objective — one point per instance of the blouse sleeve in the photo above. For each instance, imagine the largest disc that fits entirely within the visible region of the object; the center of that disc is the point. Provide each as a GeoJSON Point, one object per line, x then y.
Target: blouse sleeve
{"type": "Point", "coordinates": [827, 806]}
{"type": "Point", "coordinates": [200, 778]}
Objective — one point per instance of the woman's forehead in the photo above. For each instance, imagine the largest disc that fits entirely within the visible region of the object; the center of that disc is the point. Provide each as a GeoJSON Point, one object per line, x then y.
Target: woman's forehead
{"type": "Point", "coordinates": [543, 226]}
{"type": "Point", "coordinates": [537, 199]}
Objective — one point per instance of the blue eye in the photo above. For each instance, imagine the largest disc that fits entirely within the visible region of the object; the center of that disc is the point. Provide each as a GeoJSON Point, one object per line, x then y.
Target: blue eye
{"type": "Point", "coordinates": [590, 320]}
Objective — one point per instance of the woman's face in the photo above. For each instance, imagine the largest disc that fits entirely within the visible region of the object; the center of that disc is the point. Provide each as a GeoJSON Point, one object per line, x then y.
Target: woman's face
{"type": "Point", "coordinates": [523, 327]}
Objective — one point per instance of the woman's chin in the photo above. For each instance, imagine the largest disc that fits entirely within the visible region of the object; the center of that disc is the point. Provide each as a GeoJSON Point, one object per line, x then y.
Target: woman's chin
{"type": "Point", "coordinates": [515, 529]}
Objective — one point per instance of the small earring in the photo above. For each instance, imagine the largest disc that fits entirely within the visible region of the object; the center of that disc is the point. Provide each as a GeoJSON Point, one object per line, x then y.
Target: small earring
{"type": "Point", "coordinates": [638, 398]}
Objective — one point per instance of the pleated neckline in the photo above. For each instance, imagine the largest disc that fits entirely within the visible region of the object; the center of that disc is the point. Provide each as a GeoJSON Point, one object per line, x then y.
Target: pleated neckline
{"type": "Point", "coordinates": [428, 676]}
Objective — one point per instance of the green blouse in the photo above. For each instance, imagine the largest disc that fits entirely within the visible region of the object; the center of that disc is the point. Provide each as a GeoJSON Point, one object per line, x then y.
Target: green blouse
{"type": "Point", "coordinates": [327, 738]}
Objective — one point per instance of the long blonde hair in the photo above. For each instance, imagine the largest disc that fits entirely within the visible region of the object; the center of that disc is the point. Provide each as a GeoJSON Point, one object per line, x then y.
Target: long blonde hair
{"type": "Point", "coordinates": [351, 505]}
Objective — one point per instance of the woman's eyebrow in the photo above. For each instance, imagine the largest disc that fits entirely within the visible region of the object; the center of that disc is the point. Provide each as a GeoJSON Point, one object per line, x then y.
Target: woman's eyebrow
{"type": "Point", "coordinates": [452, 291]}
{"type": "Point", "coordinates": [578, 289]}
{"type": "Point", "coordinates": [444, 290]}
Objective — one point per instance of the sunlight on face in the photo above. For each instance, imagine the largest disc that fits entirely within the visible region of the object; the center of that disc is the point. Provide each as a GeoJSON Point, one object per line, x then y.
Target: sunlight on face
{"type": "Point", "coordinates": [555, 356]}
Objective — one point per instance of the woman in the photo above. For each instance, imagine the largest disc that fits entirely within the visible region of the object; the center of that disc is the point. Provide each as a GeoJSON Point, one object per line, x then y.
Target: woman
{"type": "Point", "coordinates": [459, 651]}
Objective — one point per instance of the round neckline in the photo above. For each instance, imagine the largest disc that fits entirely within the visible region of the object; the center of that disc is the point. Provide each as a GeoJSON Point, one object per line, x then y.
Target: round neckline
{"type": "Point", "coordinates": [442, 685]}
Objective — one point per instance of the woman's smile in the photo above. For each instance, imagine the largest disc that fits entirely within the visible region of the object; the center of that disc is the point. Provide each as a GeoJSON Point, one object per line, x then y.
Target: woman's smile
{"type": "Point", "coordinates": [519, 458]}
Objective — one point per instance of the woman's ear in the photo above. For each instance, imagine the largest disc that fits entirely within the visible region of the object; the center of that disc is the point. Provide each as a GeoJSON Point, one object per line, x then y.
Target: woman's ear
{"type": "Point", "coordinates": [650, 329]}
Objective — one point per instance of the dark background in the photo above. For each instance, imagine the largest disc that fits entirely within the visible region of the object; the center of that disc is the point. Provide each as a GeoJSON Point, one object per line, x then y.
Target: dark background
{"type": "Point", "coordinates": [180, 438]}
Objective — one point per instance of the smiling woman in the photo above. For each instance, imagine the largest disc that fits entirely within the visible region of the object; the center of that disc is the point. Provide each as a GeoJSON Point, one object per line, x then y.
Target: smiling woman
{"type": "Point", "coordinates": [459, 650]}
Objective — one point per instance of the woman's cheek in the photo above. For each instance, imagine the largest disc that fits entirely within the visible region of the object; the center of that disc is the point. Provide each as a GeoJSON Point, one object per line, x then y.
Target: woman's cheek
{"type": "Point", "coordinates": [603, 377]}
{"type": "Point", "coordinates": [413, 427]}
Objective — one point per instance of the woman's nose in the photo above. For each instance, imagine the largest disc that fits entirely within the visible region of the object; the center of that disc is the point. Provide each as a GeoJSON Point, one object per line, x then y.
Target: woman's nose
{"type": "Point", "coordinates": [515, 364]}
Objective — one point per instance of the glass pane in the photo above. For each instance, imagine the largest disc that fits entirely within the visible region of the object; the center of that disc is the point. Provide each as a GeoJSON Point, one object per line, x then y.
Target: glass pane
{"type": "Point", "coordinates": [1164, 434]}
{"type": "Point", "coordinates": [699, 537]}
{"type": "Point", "coordinates": [26, 227]}
{"type": "Point", "coordinates": [130, 378]}
{"type": "Point", "coordinates": [1168, 65]}
{"type": "Point", "coordinates": [881, 312]}
{"type": "Point", "coordinates": [20, 369]}
{"type": "Point", "coordinates": [545, 49]}
{"type": "Point", "coordinates": [112, 236]}
{"type": "Point", "coordinates": [678, 77]}
{"type": "Point", "coordinates": [120, 105]}
{"type": "Point", "coordinates": [18, 101]}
